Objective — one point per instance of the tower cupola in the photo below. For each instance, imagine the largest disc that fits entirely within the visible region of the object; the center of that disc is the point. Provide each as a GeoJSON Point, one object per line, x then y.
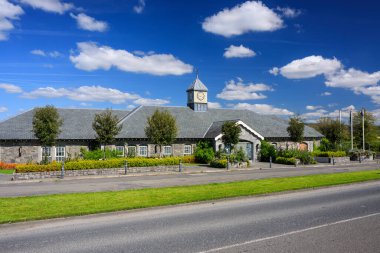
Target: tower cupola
{"type": "Point", "coordinates": [197, 96]}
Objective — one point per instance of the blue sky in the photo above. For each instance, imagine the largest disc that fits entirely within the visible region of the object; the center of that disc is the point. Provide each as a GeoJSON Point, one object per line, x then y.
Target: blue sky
{"type": "Point", "coordinates": [272, 57]}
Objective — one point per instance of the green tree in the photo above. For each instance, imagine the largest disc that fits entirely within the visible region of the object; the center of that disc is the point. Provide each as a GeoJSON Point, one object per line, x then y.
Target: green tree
{"type": "Point", "coordinates": [231, 133]}
{"type": "Point", "coordinates": [266, 151]}
{"type": "Point", "coordinates": [161, 128]}
{"type": "Point", "coordinates": [335, 131]}
{"type": "Point", "coordinates": [106, 127]}
{"type": "Point", "coordinates": [46, 125]}
{"type": "Point", "coordinates": [370, 130]}
{"type": "Point", "coordinates": [296, 128]}
{"type": "Point", "coordinates": [204, 153]}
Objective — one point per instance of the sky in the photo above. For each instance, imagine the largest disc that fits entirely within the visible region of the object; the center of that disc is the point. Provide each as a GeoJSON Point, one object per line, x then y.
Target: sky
{"type": "Point", "coordinates": [283, 58]}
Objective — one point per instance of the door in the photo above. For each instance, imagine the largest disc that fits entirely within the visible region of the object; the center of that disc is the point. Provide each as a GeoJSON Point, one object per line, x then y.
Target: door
{"type": "Point", "coordinates": [248, 151]}
{"type": "Point", "coordinates": [303, 146]}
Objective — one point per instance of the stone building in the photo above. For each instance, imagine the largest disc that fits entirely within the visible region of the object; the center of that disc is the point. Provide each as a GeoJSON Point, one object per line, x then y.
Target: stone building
{"type": "Point", "coordinates": [195, 122]}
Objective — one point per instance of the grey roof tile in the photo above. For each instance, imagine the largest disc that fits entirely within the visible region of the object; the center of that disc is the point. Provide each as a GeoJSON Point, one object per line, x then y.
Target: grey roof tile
{"type": "Point", "coordinates": [197, 85]}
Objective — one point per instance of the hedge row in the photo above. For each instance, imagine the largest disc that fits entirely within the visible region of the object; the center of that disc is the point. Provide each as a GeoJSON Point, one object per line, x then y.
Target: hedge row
{"type": "Point", "coordinates": [329, 153]}
{"type": "Point", "coordinates": [218, 163]}
{"type": "Point", "coordinates": [7, 166]}
{"type": "Point", "coordinates": [284, 160]}
{"type": "Point", "coordinates": [103, 164]}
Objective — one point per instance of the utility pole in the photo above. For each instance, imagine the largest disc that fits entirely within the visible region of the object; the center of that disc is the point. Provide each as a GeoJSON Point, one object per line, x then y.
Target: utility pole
{"type": "Point", "coordinates": [340, 128]}
{"type": "Point", "coordinates": [352, 130]}
{"type": "Point", "coordinates": [362, 112]}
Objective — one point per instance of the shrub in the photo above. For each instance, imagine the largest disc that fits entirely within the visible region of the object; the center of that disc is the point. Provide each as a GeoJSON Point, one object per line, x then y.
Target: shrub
{"type": "Point", "coordinates": [329, 153]}
{"type": "Point", "coordinates": [218, 163]}
{"type": "Point", "coordinates": [7, 166]}
{"type": "Point", "coordinates": [240, 156]}
{"type": "Point", "coordinates": [98, 154]}
{"type": "Point", "coordinates": [285, 160]}
{"type": "Point", "coordinates": [204, 153]}
{"type": "Point", "coordinates": [267, 150]}
{"type": "Point", "coordinates": [304, 156]}
{"type": "Point", "coordinates": [188, 159]}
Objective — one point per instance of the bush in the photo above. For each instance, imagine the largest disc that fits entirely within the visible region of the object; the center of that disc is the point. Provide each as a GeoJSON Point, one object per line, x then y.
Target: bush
{"type": "Point", "coordinates": [304, 156]}
{"type": "Point", "coordinates": [329, 153]}
{"type": "Point", "coordinates": [204, 153]}
{"type": "Point", "coordinates": [267, 150]}
{"type": "Point", "coordinates": [285, 160]}
{"type": "Point", "coordinates": [240, 156]}
{"type": "Point", "coordinates": [98, 154]}
{"type": "Point", "coordinates": [7, 166]}
{"type": "Point", "coordinates": [218, 163]}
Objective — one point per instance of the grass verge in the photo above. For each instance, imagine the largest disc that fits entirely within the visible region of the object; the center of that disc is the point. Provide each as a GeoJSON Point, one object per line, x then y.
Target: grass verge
{"type": "Point", "coordinates": [63, 205]}
{"type": "Point", "coordinates": [6, 172]}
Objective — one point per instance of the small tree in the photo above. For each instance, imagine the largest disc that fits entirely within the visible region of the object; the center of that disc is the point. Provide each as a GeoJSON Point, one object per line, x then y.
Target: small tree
{"type": "Point", "coordinates": [335, 131]}
{"type": "Point", "coordinates": [105, 125]}
{"type": "Point", "coordinates": [231, 133]}
{"type": "Point", "coordinates": [161, 128]}
{"type": "Point", "coordinates": [204, 153]}
{"type": "Point", "coordinates": [296, 128]}
{"type": "Point", "coordinates": [46, 125]}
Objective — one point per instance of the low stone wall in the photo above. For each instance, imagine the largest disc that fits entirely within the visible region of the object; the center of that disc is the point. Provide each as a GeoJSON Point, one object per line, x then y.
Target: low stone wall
{"type": "Point", "coordinates": [344, 159]}
{"type": "Point", "coordinates": [93, 172]}
{"type": "Point", "coordinates": [239, 165]}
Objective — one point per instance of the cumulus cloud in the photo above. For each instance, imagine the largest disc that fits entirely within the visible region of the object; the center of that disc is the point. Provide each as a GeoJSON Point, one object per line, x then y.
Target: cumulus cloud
{"type": "Point", "coordinates": [55, 6]}
{"type": "Point", "coordinates": [251, 16]}
{"type": "Point", "coordinates": [53, 54]}
{"type": "Point", "coordinates": [352, 78]}
{"type": "Point", "coordinates": [321, 113]}
{"type": "Point", "coordinates": [93, 57]}
{"type": "Point", "coordinates": [139, 7]}
{"type": "Point", "coordinates": [149, 101]}
{"type": "Point", "coordinates": [3, 109]}
{"type": "Point", "coordinates": [10, 88]}
{"type": "Point", "coordinates": [238, 52]}
{"type": "Point", "coordinates": [326, 93]}
{"type": "Point", "coordinates": [308, 67]}
{"type": "Point", "coordinates": [237, 90]}
{"type": "Point", "coordinates": [313, 107]}
{"type": "Point", "coordinates": [88, 23]}
{"type": "Point", "coordinates": [214, 105]}
{"type": "Point", "coordinates": [288, 12]}
{"type": "Point", "coordinates": [264, 109]}
{"type": "Point", "coordinates": [8, 13]}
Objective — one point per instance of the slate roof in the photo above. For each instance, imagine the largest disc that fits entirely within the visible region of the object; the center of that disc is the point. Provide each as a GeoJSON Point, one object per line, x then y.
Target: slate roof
{"type": "Point", "coordinates": [197, 85]}
{"type": "Point", "coordinates": [216, 128]}
{"type": "Point", "coordinates": [194, 125]}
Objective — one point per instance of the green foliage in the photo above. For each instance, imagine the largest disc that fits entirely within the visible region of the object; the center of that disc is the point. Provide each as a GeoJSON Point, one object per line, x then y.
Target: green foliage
{"type": "Point", "coordinates": [204, 153]}
{"type": "Point", "coordinates": [231, 133]}
{"type": "Point", "coordinates": [46, 125]}
{"type": "Point", "coordinates": [267, 150]}
{"type": "Point", "coordinates": [104, 164]}
{"type": "Point", "coordinates": [335, 131]}
{"type": "Point", "coordinates": [218, 163]}
{"type": "Point", "coordinates": [296, 128]}
{"type": "Point", "coordinates": [98, 154]}
{"type": "Point", "coordinates": [329, 153]}
{"type": "Point", "coordinates": [161, 128]}
{"type": "Point", "coordinates": [286, 160]}
{"type": "Point", "coordinates": [325, 145]}
{"type": "Point", "coordinates": [370, 130]}
{"type": "Point", "coordinates": [305, 157]}
{"type": "Point", "coordinates": [239, 156]}
{"type": "Point", "coordinates": [131, 153]}
{"type": "Point", "coordinates": [105, 125]}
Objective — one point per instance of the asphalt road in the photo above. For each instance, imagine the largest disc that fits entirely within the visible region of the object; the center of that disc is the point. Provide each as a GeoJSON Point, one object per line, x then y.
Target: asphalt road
{"type": "Point", "coordinates": [337, 219]}
{"type": "Point", "coordinates": [70, 185]}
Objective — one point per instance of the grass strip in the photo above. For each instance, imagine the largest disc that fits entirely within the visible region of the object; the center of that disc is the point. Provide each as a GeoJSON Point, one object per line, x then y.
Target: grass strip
{"type": "Point", "coordinates": [17, 209]}
{"type": "Point", "coordinates": [6, 172]}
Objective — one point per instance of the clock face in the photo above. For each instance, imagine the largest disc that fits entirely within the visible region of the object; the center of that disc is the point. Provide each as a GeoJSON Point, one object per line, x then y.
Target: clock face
{"type": "Point", "coordinates": [201, 95]}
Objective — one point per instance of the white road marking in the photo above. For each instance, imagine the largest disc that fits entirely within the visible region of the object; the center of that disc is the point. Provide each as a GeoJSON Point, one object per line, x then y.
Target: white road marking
{"type": "Point", "coordinates": [289, 233]}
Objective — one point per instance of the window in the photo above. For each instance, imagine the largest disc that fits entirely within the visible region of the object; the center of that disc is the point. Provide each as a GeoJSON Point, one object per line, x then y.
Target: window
{"type": "Point", "coordinates": [59, 154]}
{"type": "Point", "coordinates": [120, 150]}
{"type": "Point", "coordinates": [187, 150]}
{"type": "Point", "coordinates": [131, 151]}
{"type": "Point", "coordinates": [46, 151]}
{"type": "Point", "coordinates": [143, 151]}
{"type": "Point", "coordinates": [167, 150]}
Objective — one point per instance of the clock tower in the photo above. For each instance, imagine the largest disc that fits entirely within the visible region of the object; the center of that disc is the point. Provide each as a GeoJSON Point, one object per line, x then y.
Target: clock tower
{"type": "Point", "coordinates": [197, 96]}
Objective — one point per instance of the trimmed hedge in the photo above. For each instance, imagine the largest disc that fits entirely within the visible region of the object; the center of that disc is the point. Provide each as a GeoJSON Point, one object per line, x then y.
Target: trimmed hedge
{"type": "Point", "coordinates": [329, 153]}
{"type": "Point", "coordinates": [285, 160]}
{"type": "Point", "coordinates": [7, 166]}
{"type": "Point", "coordinates": [103, 164]}
{"type": "Point", "coordinates": [218, 163]}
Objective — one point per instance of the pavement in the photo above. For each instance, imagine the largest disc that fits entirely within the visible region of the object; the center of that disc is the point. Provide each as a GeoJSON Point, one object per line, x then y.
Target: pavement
{"type": "Point", "coordinates": [191, 177]}
{"type": "Point", "coordinates": [336, 219]}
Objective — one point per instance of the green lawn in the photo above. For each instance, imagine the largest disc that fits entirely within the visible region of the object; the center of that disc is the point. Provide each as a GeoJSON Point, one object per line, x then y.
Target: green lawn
{"type": "Point", "coordinates": [6, 171]}
{"type": "Point", "coordinates": [63, 205]}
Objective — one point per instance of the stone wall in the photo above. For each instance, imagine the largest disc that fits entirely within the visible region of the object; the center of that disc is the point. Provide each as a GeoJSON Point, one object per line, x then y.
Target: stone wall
{"type": "Point", "coordinates": [20, 152]}
{"type": "Point", "coordinates": [337, 160]}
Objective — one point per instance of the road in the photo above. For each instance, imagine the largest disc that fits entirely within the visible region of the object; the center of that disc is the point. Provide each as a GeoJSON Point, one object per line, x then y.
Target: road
{"type": "Point", "coordinates": [70, 185]}
{"type": "Point", "coordinates": [337, 219]}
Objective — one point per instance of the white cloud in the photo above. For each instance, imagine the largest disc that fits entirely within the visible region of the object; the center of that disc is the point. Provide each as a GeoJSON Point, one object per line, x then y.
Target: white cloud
{"type": "Point", "coordinates": [139, 7]}
{"type": "Point", "coordinates": [53, 54]}
{"type": "Point", "coordinates": [326, 93]}
{"type": "Point", "coordinates": [289, 12]}
{"type": "Point", "coordinates": [10, 88]}
{"type": "Point", "coordinates": [251, 16]}
{"type": "Point", "coordinates": [8, 12]}
{"type": "Point", "coordinates": [264, 109]}
{"type": "Point", "coordinates": [321, 113]}
{"type": "Point", "coordinates": [3, 109]}
{"type": "Point", "coordinates": [149, 101]}
{"type": "Point", "coordinates": [238, 52]}
{"type": "Point", "coordinates": [307, 67]}
{"type": "Point", "coordinates": [313, 107]}
{"type": "Point", "coordinates": [316, 114]}
{"type": "Point", "coordinates": [237, 90]}
{"type": "Point", "coordinates": [352, 78]}
{"type": "Point", "coordinates": [214, 105]}
{"type": "Point", "coordinates": [55, 6]}
{"type": "Point", "coordinates": [93, 57]}
{"type": "Point", "coordinates": [88, 23]}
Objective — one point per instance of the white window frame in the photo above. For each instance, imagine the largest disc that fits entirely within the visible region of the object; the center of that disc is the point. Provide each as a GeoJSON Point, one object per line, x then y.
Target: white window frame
{"type": "Point", "coordinates": [122, 149]}
{"type": "Point", "coordinates": [168, 148]}
{"type": "Point", "coordinates": [143, 151]}
{"type": "Point", "coordinates": [44, 149]}
{"type": "Point", "coordinates": [187, 150]}
{"type": "Point", "coordinates": [60, 153]}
